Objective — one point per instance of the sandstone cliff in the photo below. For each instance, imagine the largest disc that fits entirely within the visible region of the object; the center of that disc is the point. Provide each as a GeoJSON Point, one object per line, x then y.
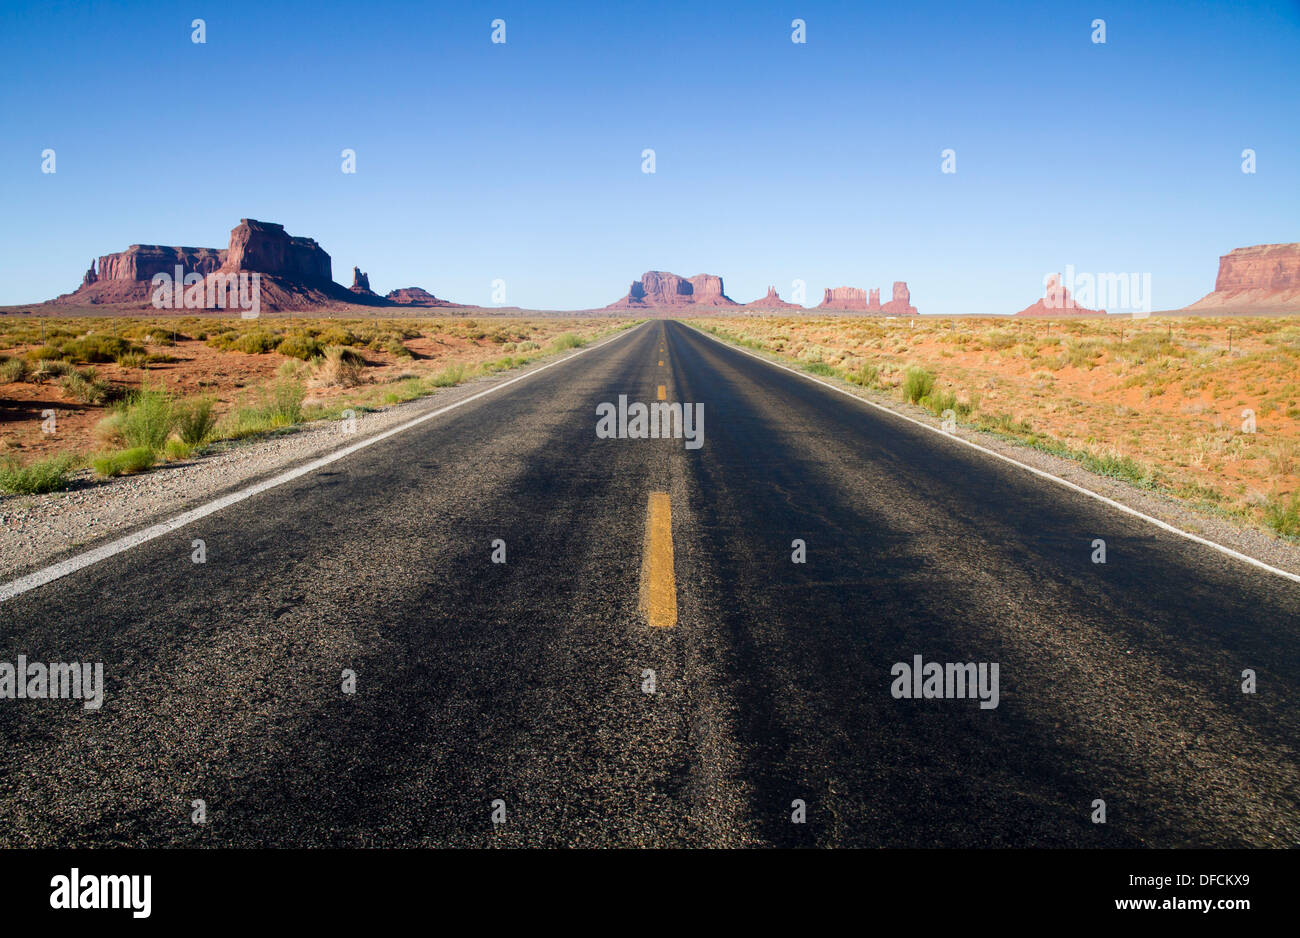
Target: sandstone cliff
{"type": "Point", "coordinates": [853, 299]}
{"type": "Point", "coordinates": [1262, 278]}
{"type": "Point", "coordinates": [416, 296]}
{"type": "Point", "coordinates": [658, 289]}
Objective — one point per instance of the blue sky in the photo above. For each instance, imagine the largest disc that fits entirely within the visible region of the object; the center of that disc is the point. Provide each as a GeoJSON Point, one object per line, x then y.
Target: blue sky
{"type": "Point", "coordinates": [775, 161]}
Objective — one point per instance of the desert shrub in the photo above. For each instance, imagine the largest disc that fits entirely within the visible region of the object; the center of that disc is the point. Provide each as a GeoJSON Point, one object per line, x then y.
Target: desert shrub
{"type": "Point", "coordinates": [86, 387]}
{"type": "Point", "coordinates": [819, 368]}
{"type": "Point", "coordinates": [145, 419]}
{"type": "Point", "coordinates": [917, 383]}
{"type": "Point", "coordinates": [867, 375]}
{"type": "Point", "coordinates": [195, 420]}
{"type": "Point", "coordinates": [36, 478]}
{"type": "Point", "coordinates": [177, 449]}
{"type": "Point", "coordinates": [47, 353]}
{"type": "Point", "coordinates": [257, 342]}
{"type": "Point", "coordinates": [123, 462]}
{"type": "Point", "coordinates": [394, 346]}
{"type": "Point", "coordinates": [47, 369]}
{"type": "Point", "coordinates": [1117, 467]}
{"type": "Point", "coordinates": [133, 360]}
{"type": "Point", "coordinates": [337, 335]}
{"type": "Point", "coordinates": [99, 349]}
{"type": "Point", "coordinates": [1283, 516]}
{"type": "Point", "coordinates": [448, 377]}
{"type": "Point", "coordinates": [282, 403]}
{"type": "Point", "coordinates": [340, 367]}
{"type": "Point", "coordinates": [567, 340]}
{"type": "Point", "coordinates": [939, 401]}
{"type": "Point", "coordinates": [300, 346]}
{"type": "Point", "coordinates": [13, 369]}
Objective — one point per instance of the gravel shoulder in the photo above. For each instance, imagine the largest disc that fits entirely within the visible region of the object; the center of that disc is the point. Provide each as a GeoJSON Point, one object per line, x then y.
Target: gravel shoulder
{"type": "Point", "coordinates": [37, 530]}
{"type": "Point", "coordinates": [1226, 531]}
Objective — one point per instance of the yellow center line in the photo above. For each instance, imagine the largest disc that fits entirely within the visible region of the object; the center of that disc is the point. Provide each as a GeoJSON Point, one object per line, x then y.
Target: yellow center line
{"type": "Point", "coordinates": [663, 392]}
{"type": "Point", "coordinates": [658, 583]}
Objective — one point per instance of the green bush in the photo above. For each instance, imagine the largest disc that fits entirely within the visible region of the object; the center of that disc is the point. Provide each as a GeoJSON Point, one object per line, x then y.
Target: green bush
{"type": "Point", "coordinates": [819, 368]}
{"type": "Point", "coordinates": [86, 387]}
{"type": "Point", "coordinates": [99, 349]}
{"type": "Point", "coordinates": [449, 377]}
{"type": "Point", "coordinates": [867, 376]}
{"type": "Point", "coordinates": [47, 475]}
{"type": "Point", "coordinates": [195, 420]}
{"type": "Point", "coordinates": [146, 419]}
{"type": "Point", "coordinates": [917, 383]}
{"type": "Point", "coordinates": [300, 346]}
{"type": "Point", "coordinates": [13, 369]}
{"type": "Point", "coordinates": [282, 403]}
{"type": "Point", "coordinates": [566, 340]}
{"type": "Point", "coordinates": [1283, 516]}
{"type": "Point", "coordinates": [124, 462]}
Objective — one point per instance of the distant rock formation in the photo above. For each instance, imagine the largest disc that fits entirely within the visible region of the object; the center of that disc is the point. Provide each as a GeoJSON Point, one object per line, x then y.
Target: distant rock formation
{"type": "Point", "coordinates": [294, 272]}
{"type": "Point", "coordinates": [1261, 278]}
{"type": "Point", "coordinates": [852, 299]}
{"type": "Point", "coordinates": [360, 282]}
{"type": "Point", "coordinates": [901, 304]}
{"type": "Point", "coordinates": [848, 298]}
{"type": "Point", "coordinates": [266, 248]}
{"type": "Point", "coordinates": [657, 289]}
{"type": "Point", "coordinates": [772, 301]}
{"type": "Point", "coordinates": [416, 296]}
{"type": "Point", "coordinates": [1057, 303]}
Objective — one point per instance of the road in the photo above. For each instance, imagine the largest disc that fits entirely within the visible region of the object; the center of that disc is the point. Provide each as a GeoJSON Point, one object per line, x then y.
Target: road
{"type": "Point", "coordinates": [525, 683]}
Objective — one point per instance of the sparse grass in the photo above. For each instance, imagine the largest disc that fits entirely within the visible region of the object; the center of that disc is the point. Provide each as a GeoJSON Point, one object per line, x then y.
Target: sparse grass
{"type": "Point", "coordinates": [85, 387]}
{"type": "Point", "coordinates": [917, 383]}
{"type": "Point", "coordinates": [567, 340]}
{"type": "Point", "coordinates": [1283, 515]}
{"type": "Point", "coordinates": [35, 478]}
{"type": "Point", "coordinates": [449, 377]}
{"type": "Point", "coordinates": [124, 461]}
{"type": "Point", "coordinates": [145, 419]}
{"type": "Point", "coordinates": [13, 369]}
{"type": "Point", "coordinates": [195, 420]}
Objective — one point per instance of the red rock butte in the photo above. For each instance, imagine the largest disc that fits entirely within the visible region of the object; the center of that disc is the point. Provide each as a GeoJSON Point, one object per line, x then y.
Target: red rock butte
{"type": "Point", "coordinates": [295, 272]}
{"type": "Point", "coordinates": [853, 299]}
{"type": "Point", "coordinates": [660, 290]}
{"type": "Point", "coordinates": [772, 301]}
{"type": "Point", "coordinates": [1264, 278]}
{"type": "Point", "coordinates": [1057, 302]}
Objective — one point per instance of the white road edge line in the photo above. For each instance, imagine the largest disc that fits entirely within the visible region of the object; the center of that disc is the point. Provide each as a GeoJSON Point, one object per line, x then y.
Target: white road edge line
{"type": "Point", "coordinates": [1015, 462]}
{"type": "Point", "coordinates": [72, 564]}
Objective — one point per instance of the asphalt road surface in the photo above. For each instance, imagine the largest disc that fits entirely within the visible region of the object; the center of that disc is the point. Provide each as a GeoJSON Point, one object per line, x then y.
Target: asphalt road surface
{"type": "Point", "coordinates": [519, 689]}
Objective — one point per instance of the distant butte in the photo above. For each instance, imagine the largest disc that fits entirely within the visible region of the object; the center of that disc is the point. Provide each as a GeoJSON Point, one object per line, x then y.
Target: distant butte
{"type": "Point", "coordinates": [1259, 279]}
{"type": "Point", "coordinates": [296, 273]}
{"type": "Point", "coordinates": [772, 301]}
{"type": "Point", "coordinates": [853, 299]}
{"type": "Point", "coordinates": [1057, 303]}
{"type": "Point", "coordinates": [660, 290]}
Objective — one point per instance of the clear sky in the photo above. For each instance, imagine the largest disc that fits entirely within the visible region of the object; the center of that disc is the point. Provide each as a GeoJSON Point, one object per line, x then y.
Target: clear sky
{"type": "Point", "coordinates": [775, 161]}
